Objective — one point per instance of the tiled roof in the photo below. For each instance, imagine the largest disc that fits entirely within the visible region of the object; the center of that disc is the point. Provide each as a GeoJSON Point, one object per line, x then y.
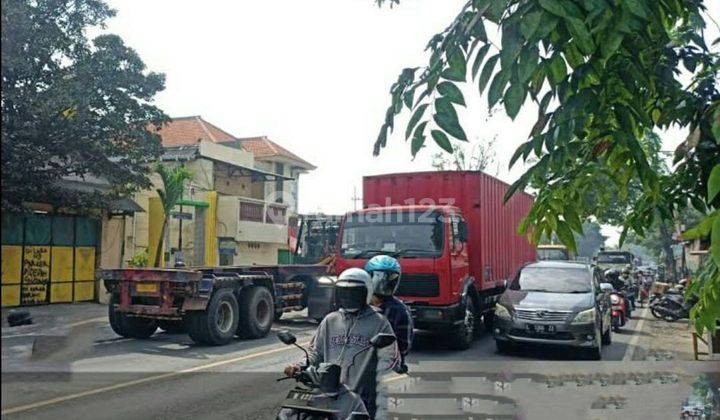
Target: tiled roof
{"type": "Point", "coordinates": [186, 131]}
{"type": "Point", "coordinates": [263, 147]}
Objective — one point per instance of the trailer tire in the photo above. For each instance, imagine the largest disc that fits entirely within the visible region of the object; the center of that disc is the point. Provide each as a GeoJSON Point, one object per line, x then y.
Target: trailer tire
{"type": "Point", "coordinates": [216, 325]}
{"type": "Point", "coordinates": [463, 335]}
{"type": "Point", "coordinates": [129, 327]}
{"type": "Point", "coordinates": [257, 312]}
{"type": "Point", "coordinates": [172, 326]}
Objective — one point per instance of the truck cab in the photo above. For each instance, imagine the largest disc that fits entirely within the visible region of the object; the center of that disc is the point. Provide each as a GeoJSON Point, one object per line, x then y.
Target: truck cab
{"type": "Point", "coordinates": [430, 242]}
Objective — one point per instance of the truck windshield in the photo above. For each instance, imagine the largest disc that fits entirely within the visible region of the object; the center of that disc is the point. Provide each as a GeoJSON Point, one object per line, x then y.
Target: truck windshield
{"type": "Point", "coordinates": [406, 234]}
{"type": "Point", "coordinates": [552, 254]}
{"type": "Point", "coordinates": [614, 258]}
{"type": "Point", "coordinates": [552, 280]}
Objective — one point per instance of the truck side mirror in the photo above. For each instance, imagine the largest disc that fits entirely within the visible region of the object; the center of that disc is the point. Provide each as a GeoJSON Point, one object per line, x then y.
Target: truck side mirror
{"type": "Point", "coordinates": [462, 231]}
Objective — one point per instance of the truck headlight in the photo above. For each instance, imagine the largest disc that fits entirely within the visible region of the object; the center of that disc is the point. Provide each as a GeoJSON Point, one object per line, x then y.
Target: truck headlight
{"type": "Point", "coordinates": [585, 317]}
{"type": "Point", "coordinates": [502, 312]}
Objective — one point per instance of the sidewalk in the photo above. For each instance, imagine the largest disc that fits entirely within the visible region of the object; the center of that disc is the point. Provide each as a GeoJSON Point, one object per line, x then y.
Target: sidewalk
{"type": "Point", "coordinates": [51, 319]}
{"type": "Point", "coordinates": [664, 341]}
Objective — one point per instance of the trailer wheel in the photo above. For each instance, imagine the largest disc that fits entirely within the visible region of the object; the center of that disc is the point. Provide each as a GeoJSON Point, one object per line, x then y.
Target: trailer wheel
{"type": "Point", "coordinates": [258, 310]}
{"type": "Point", "coordinates": [215, 325]}
{"type": "Point", "coordinates": [130, 327]}
{"type": "Point", "coordinates": [463, 335]}
{"type": "Point", "coordinates": [172, 327]}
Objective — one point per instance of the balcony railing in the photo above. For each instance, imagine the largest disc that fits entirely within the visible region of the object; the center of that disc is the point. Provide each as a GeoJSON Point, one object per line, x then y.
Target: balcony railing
{"type": "Point", "coordinates": [252, 210]}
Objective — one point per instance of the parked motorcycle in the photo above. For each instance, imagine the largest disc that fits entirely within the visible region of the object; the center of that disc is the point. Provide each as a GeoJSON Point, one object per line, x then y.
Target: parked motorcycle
{"type": "Point", "coordinates": [672, 307]}
{"type": "Point", "coordinates": [320, 394]}
{"type": "Point", "coordinates": [619, 310]}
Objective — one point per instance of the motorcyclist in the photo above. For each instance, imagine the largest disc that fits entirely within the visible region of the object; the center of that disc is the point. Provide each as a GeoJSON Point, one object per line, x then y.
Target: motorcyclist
{"type": "Point", "coordinates": [344, 332]}
{"type": "Point", "coordinates": [385, 272]}
{"type": "Point", "coordinates": [626, 277]}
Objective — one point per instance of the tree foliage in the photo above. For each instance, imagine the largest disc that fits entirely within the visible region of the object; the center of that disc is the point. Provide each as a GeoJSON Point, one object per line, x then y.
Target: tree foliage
{"type": "Point", "coordinates": [173, 180]}
{"type": "Point", "coordinates": [602, 74]}
{"type": "Point", "coordinates": [477, 156]}
{"type": "Point", "coordinates": [71, 107]}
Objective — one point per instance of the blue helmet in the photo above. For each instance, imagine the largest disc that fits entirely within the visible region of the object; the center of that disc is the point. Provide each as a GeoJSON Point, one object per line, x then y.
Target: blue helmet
{"type": "Point", "coordinates": [385, 272]}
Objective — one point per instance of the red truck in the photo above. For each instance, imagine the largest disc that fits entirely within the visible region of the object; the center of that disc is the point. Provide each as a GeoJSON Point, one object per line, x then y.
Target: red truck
{"type": "Point", "coordinates": [455, 240]}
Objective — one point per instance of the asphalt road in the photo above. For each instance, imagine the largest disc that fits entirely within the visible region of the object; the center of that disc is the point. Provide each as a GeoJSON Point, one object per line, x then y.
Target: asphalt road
{"type": "Point", "coordinates": [92, 372]}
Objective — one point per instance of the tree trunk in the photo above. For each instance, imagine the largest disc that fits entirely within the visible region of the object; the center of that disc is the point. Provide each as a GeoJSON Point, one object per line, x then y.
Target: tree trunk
{"type": "Point", "coordinates": [667, 248]}
{"type": "Point", "coordinates": [159, 249]}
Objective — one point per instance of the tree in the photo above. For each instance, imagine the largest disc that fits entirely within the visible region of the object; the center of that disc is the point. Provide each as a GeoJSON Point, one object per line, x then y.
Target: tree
{"type": "Point", "coordinates": [588, 243]}
{"type": "Point", "coordinates": [478, 158]}
{"type": "Point", "coordinates": [173, 186]}
{"type": "Point", "coordinates": [71, 107]}
{"type": "Point", "coordinates": [603, 74]}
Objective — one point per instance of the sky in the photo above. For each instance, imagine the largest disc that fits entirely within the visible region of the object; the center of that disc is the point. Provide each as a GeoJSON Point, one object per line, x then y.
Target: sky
{"type": "Point", "coordinates": [314, 76]}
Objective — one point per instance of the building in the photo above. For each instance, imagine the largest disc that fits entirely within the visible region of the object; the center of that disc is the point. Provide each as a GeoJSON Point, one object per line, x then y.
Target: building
{"type": "Point", "coordinates": [248, 185]}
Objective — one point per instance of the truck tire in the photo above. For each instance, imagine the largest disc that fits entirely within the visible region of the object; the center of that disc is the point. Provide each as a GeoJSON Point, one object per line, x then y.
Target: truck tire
{"type": "Point", "coordinates": [463, 335]}
{"type": "Point", "coordinates": [278, 315]}
{"type": "Point", "coordinates": [216, 325]}
{"type": "Point", "coordinates": [172, 326]}
{"type": "Point", "coordinates": [129, 327]}
{"type": "Point", "coordinates": [488, 320]}
{"type": "Point", "coordinates": [257, 312]}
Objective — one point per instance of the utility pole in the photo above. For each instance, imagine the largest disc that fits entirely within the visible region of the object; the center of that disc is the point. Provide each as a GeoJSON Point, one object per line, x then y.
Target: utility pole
{"type": "Point", "coordinates": [355, 198]}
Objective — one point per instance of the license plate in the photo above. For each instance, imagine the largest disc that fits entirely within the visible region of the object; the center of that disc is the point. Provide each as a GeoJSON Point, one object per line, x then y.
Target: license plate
{"type": "Point", "coordinates": [541, 328]}
{"type": "Point", "coordinates": [146, 288]}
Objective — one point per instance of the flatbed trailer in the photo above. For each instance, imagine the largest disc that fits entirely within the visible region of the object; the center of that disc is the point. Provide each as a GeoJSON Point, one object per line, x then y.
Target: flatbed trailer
{"type": "Point", "coordinates": [214, 304]}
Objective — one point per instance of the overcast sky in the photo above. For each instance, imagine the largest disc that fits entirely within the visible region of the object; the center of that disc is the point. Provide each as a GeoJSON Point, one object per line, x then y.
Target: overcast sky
{"type": "Point", "coordinates": [312, 75]}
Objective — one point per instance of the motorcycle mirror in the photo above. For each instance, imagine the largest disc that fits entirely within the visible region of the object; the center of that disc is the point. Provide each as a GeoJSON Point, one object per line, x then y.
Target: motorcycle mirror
{"type": "Point", "coordinates": [287, 337]}
{"type": "Point", "coordinates": [606, 287]}
{"type": "Point", "coordinates": [382, 340]}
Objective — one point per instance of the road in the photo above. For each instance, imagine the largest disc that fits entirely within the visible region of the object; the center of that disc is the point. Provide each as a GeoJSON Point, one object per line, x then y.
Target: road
{"type": "Point", "coordinates": [92, 372]}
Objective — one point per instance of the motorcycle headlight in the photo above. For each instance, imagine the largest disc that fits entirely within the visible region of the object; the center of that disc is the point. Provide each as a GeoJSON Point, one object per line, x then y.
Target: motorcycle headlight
{"type": "Point", "coordinates": [614, 299]}
{"type": "Point", "coordinates": [585, 317]}
{"type": "Point", "coordinates": [502, 312]}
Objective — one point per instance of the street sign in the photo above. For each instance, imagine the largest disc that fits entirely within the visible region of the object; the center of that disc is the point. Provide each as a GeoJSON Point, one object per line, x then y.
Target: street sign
{"type": "Point", "coordinates": [181, 215]}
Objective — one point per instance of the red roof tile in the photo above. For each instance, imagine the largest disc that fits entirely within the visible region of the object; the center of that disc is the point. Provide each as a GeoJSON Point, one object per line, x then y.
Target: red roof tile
{"type": "Point", "coordinates": [264, 147]}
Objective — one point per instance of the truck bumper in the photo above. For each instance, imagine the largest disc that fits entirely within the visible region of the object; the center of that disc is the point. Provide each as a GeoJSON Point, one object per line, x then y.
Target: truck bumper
{"type": "Point", "coordinates": [436, 317]}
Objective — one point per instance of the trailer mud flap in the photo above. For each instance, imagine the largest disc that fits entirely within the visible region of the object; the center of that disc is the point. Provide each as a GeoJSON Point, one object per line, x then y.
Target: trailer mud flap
{"type": "Point", "coordinates": [194, 304]}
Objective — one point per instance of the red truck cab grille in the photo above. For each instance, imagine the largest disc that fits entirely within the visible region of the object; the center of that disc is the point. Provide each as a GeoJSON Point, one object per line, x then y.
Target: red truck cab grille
{"type": "Point", "coordinates": [419, 285]}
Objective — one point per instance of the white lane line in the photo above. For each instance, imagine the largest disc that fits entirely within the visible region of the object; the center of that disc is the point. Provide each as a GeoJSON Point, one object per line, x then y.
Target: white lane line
{"type": "Point", "coordinates": [153, 378]}
{"type": "Point", "coordinates": [87, 321]}
{"type": "Point", "coordinates": [632, 344]}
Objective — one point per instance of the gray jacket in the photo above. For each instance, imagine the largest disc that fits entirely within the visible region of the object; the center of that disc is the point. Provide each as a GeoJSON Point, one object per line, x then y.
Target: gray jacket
{"type": "Point", "coordinates": [341, 335]}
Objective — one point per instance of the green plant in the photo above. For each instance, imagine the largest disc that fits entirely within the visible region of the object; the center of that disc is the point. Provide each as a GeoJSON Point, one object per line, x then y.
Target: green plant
{"type": "Point", "coordinates": [173, 180]}
{"type": "Point", "coordinates": [139, 260]}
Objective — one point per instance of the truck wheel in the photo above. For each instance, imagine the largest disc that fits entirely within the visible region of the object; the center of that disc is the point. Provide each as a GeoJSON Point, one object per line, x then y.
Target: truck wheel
{"type": "Point", "coordinates": [464, 334]}
{"type": "Point", "coordinates": [257, 309]}
{"type": "Point", "coordinates": [278, 315]}
{"type": "Point", "coordinates": [172, 326]}
{"type": "Point", "coordinates": [129, 327]}
{"type": "Point", "coordinates": [215, 325]}
{"type": "Point", "coordinates": [488, 321]}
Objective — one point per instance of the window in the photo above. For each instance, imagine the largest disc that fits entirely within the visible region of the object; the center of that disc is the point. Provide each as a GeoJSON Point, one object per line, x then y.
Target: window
{"type": "Point", "coordinates": [457, 243]}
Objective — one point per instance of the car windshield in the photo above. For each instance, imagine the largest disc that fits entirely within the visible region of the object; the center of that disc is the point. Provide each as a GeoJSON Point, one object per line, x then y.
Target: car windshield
{"type": "Point", "coordinates": [614, 258]}
{"type": "Point", "coordinates": [553, 280]}
{"type": "Point", "coordinates": [406, 234]}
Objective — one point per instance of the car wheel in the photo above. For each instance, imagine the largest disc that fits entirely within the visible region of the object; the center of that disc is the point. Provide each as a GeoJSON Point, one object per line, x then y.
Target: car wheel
{"type": "Point", "coordinates": [595, 352]}
{"type": "Point", "coordinates": [607, 337]}
{"type": "Point", "coordinates": [464, 334]}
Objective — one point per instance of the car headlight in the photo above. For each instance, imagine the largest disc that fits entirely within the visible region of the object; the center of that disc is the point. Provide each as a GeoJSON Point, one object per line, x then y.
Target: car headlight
{"type": "Point", "coordinates": [585, 317]}
{"type": "Point", "coordinates": [502, 312]}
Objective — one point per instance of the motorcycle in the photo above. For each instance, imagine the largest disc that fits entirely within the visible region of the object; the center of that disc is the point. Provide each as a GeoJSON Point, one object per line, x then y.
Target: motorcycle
{"type": "Point", "coordinates": [320, 395]}
{"type": "Point", "coordinates": [672, 307]}
{"type": "Point", "coordinates": [619, 310]}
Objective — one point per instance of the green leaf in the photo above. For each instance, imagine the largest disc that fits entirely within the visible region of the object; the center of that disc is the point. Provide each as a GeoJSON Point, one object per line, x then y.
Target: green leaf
{"type": "Point", "coordinates": [558, 69]}
{"type": "Point", "coordinates": [442, 140]}
{"type": "Point", "coordinates": [530, 23]}
{"type": "Point", "coordinates": [611, 43]}
{"type": "Point", "coordinates": [451, 92]}
{"type": "Point", "coordinates": [714, 183]}
{"type": "Point", "coordinates": [511, 44]}
{"type": "Point", "coordinates": [545, 102]}
{"type": "Point", "coordinates": [514, 98]}
{"type": "Point", "coordinates": [414, 120]}
{"type": "Point", "coordinates": [457, 66]}
{"type": "Point", "coordinates": [497, 87]}
{"type": "Point", "coordinates": [636, 8]}
{"type": "Point", "coordinates": [418, 139]}
{"type": "Point", "coordinates": [554, 7]}
{"type": "Point", "coordinates": [715, 241]}
{"type": "Point", "coordinates": [479, 57]}
{"type": "Point", "coordinates": [528, 62]}
{"type": "Point", "coordinates": [487, 71]}
{"type": "Point", "coordinates": [447, 119]}
{"type": "Point", "coordinates": [565, 235]}
{"type": "Point", "coordinates": [581, 34]}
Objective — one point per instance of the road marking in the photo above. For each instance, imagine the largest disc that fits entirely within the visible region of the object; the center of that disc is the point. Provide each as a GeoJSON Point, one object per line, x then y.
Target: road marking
{"type": "Point", "coordinates": [121, 385]}
{"type": "Point", "coordinates": [87, 321]}
{"type": "Point", "coordinates": [632, 344]}
{"type": "Point", "coordinates": [395, 378]}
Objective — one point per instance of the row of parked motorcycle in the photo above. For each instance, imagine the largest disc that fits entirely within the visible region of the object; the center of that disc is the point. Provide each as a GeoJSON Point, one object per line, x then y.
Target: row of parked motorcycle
{"type": "Point", "coordinates": [665, 301]}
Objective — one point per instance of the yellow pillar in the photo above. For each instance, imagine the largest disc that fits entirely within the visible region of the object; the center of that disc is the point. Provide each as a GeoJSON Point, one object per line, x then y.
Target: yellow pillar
{"type": "Point", "coordinates": [156, 217]}
{"type": "Point", "coordinates": [211, 243]}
